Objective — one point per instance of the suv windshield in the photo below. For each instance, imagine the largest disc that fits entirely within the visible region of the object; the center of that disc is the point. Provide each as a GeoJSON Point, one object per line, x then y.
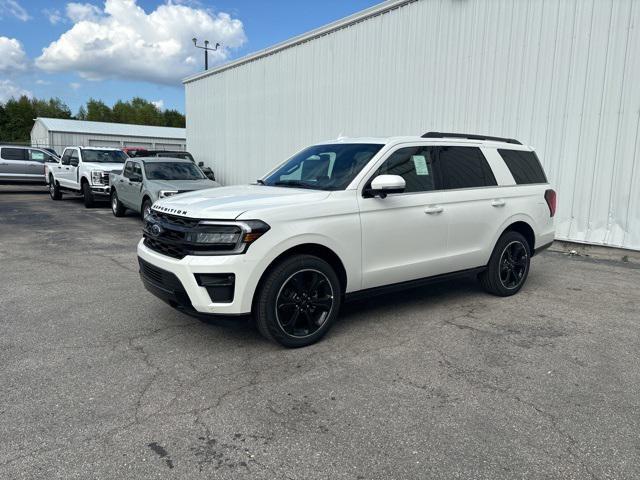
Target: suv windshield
{"type": "Point", "coordinates": [103, 156]}
{"type": "Point", "coordinates": [323, 167]}
{"type": "Point", "coordinates": [172, 171]}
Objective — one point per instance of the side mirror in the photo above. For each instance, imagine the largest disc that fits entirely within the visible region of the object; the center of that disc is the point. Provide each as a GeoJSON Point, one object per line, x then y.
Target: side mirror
{"type": "Point", "coordinates": [383, 185]}
{"type": "Point", "coordinates": [73, 162]}
{"type": "Point", "coordinates": [201, 164]}
{"type": "Point", "coordinates": [135, 178]}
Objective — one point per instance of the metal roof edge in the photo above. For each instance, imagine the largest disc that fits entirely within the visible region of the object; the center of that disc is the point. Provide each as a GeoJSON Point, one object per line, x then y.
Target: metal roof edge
{"type": "Point", "coordinates": [357, 17]}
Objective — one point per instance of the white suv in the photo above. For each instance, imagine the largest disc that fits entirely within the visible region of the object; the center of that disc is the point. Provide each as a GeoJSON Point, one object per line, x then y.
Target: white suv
{"type": "Point", "coordinates": [347, 216]}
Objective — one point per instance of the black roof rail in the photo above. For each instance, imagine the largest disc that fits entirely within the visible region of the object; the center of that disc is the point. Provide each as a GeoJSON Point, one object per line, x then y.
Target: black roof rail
{"type": "Point", "coordinates": [470, 136]}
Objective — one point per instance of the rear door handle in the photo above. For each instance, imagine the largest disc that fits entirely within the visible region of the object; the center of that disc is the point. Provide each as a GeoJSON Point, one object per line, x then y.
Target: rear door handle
{"type": "Point", "coordinates": [498, 203]}
{"type": "Point", "coordinates": [433, 210]}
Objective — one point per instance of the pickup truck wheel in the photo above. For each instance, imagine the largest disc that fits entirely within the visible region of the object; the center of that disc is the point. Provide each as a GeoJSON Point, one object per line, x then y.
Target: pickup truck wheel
{"type": "Point", "coordinates": [146, 208]}
{"type": "Point", "coordinates": [88, 195]}
{"type": "Point", "coordinates": [298, 301]}
{"type": "Point", "coordinates": [116, 207]}
{"type": "Point", "coordinates": [508, 266]}
{"type": "Point", "coordinates": [54, 189]}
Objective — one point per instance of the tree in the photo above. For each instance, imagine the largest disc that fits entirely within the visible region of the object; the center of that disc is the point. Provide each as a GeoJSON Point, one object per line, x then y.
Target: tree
{"type": "Point", "coordinates": [173, 118]}
{"type": "Point", "coordinates": [17, 116]}
{"type": "Point", "coordinates": [98, 111]}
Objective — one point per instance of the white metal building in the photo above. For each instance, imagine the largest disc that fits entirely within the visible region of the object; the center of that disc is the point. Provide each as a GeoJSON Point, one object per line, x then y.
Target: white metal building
{"type": "Point", "coordinates": [561, 75]}
{"type": "Point", "coordinates": [60, 133]}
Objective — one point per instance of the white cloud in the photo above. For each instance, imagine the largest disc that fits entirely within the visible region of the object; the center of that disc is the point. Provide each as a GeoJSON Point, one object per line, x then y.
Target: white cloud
{"type": "Point", "coordinates": [8, 90]}
{"type": "Point", "coordinates": [75, 85]}
{"type": "Point", "coordinates": [54, 16]}
{"type": "Point", "coordinates": [12, 56]}
{"type": "Point", "coordinates": [42, 82]}
{"type": "Point", "coordinates": [159, 104]}
{"type": "Point", "coordinates": [78, 12]}
{"type": "Point", "coordinates": [14, 9]}
{"type": "Point", "coordinates": [124, 41]}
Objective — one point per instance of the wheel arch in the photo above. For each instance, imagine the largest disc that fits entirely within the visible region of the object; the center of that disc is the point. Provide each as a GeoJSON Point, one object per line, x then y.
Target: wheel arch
{"type": "Point", "coordinates": [145, 196]}
{"type": "Point", "coordinates": [523, 227]}
{"type": "Point", "coordinates": [315, 249]}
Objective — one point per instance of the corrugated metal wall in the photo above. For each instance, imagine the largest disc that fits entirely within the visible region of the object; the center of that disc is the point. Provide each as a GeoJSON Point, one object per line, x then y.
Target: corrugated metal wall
{"type": "Point", "coordinates": [41, 137]}
{"type": "Point", "coordinates": [561, 75]}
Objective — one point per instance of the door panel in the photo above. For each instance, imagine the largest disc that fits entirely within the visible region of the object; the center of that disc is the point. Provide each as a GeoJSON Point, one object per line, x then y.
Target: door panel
{"type": "Point", "coordinates": [12, 163]}
{"type": "Point", "coordinates": [401, 239]}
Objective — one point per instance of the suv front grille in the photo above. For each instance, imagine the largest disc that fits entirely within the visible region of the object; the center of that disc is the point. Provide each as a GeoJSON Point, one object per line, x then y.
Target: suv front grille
{"type": "Point", "coordinates": [164, 248]}
{"type": "Point", "coordinates": [175, 219]}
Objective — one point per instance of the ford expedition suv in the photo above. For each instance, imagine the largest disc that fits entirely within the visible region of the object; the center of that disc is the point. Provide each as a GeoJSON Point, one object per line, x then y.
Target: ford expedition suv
{"type": "Point", "coordinates": [85, 170]}
{"type": "Point", "coordinates": [350, 216]}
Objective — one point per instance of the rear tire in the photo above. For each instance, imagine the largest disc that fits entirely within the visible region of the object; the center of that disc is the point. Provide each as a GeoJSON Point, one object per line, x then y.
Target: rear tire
{"type": "Point", "coordinates": [298, 301]}
{"type": "Point", "coordinates": [116, 207]}
{"type": "Point", "coordinates": [508, 266]}
{"type": "Point", "coordinates": [54, 189]}
{"type": "Point", "coordinates": [89, 201]}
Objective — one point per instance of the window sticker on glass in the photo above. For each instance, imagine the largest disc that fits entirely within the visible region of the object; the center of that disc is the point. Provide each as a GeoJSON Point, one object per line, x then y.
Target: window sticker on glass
{"type": "Point", "coordinates": [420, 163]}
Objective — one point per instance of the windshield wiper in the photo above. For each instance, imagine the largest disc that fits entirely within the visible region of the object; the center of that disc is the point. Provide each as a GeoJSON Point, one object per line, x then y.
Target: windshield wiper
{"type": "Point", "coordinates": [260, 182]}
{"type": "Point", "coordinates": [295, 183]}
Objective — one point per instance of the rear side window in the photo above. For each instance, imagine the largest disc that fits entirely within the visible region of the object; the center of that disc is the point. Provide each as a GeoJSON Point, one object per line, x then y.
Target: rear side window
{"type": "Point", "coordinates": [524, 166]}
{"type": "Point", "coordinates": [128, 170]}
{"type": "Point", "coordinates": [14, 154]}
{"type": "Point", "coordinates": [464, 167]}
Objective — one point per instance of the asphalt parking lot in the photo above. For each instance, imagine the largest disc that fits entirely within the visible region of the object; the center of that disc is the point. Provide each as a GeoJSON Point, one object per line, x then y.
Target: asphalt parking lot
{"type": "Point", "coordinates": [99, 379]}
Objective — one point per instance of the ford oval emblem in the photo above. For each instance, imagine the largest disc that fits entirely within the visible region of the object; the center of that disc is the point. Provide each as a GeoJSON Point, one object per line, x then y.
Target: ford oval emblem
{"type": "Point", "coordinates": [155, 230]}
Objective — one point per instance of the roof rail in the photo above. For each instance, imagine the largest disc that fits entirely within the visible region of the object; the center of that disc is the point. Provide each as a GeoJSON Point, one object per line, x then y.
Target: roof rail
{"type": "Point", "coordinates": [470, 137]}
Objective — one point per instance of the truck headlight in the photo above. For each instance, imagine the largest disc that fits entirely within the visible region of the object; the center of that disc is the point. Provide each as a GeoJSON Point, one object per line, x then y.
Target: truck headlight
{"type": "Point", "coordinates": [96, 177]}
{"type": "Point", "coordinates": [166, 193]}
{"type": "Point", "coordinates": [236, 236]}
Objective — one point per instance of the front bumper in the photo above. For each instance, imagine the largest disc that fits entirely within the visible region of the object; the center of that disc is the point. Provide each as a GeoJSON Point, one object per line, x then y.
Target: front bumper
{"type": "Point", "coordinates": [174, 281]}
{"type": "Point", "coordinates": [101, 190]}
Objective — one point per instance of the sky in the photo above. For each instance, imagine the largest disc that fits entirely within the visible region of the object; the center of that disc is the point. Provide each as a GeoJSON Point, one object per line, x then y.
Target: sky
{"type": "Point", "coordinates": [118, 49]}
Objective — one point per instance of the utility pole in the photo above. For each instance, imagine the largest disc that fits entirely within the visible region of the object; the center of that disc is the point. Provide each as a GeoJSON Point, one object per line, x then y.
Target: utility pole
{"type": "Point", "coordinates": [206, 49]}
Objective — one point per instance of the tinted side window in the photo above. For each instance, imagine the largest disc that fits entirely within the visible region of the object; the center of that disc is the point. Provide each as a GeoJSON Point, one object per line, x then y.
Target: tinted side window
{"type": "Point", "coordinates": [137, 171]}
{"type": "Point", "coordinates": [414, 164]}
{"type": "Point", "coordinates": [14, 154]}
{"type": "Point", "coordinates": [524, 166]}
{"type": "Point", "coordinates": [65, 157]}
{"type": "Point", "coordinates": [464, 167]}
{"type": "Point", "coordinates": [128, 169]}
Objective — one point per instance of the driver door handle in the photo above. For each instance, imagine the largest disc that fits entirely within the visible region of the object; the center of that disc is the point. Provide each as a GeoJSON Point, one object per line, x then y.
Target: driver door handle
{"type": "Point", "coordinates": [498, 203]}
{"type": "Point", "coordinates": [434, 209]}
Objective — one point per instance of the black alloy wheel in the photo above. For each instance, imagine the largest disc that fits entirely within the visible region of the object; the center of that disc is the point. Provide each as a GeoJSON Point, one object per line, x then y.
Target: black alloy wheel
{"type": "Point", "coordinates": [298, 300]}
{"type": "Point", "coordinates": [304, 303]}
{"type": "Point", "coordinates": [508, 266]}
{"type": "Point", "coordinates": [513, 264]}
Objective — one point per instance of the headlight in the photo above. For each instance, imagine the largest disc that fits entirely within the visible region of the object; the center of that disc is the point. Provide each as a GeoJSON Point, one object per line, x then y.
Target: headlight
{"type": "Point", "coordinates": [96, 177]}
{"type": "Point", "coordinates": [167, 193]}
{"type": "Point", "coordinates": [231, 237]}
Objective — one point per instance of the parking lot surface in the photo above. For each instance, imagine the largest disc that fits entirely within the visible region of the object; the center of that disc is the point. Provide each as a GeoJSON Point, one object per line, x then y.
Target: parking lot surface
{"type": "Point", "coordinates": [99, 379]}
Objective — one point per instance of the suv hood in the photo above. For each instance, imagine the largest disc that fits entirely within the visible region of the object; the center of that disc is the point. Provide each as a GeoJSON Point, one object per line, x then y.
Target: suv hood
{"type": "Point", "coordinates": [181, 185]}
{"type": "Point", "coordinates": [227, 203]}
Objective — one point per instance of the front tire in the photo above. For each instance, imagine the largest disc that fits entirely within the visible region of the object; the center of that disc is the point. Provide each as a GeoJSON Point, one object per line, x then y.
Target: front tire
{"type": "Point", "coordinates": [298, 301]}
{"type": "Point", "coordinates": [146, 208]}
{"type": "Point", "coordinates": [89, 201]}
{"type": "Point", "coordinates": [116, 206]}
{"type": "Point", "coordinates": [54, 189]}
{"type": "Point", "coordinates": [508, 266]}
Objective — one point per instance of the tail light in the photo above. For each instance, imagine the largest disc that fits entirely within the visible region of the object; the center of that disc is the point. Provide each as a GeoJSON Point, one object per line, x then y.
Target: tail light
{"type": "Point", "coordinates": [551, 198]}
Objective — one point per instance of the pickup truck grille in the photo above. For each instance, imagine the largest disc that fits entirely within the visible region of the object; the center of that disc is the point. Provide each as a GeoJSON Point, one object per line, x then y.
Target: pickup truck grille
{"type": "Point", "coordinates": [175, 219]}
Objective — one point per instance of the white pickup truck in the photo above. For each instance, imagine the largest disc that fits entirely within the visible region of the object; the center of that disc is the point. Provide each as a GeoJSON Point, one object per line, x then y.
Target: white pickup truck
{"type": "Point", "coordinates": [85, 170]}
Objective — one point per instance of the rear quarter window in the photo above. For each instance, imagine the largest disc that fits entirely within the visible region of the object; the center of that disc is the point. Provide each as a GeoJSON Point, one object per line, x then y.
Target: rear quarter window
{"type": "Point", "coordinates": [464, 167]}
{"type": "Point", "coordinates": [524, 166]}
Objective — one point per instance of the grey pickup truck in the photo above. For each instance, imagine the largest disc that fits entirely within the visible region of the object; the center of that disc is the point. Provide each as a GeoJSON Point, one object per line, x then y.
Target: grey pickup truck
{"type": "Point", "coordinates": [145, 180]}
